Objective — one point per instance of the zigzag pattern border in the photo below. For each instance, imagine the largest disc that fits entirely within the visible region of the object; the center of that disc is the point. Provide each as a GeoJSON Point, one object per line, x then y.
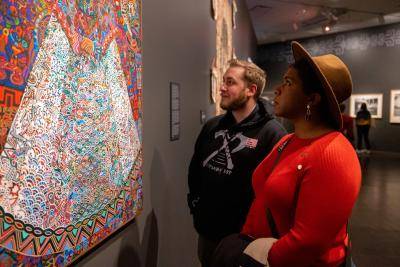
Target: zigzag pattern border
{"type": "Point", "coordinates": [72, 241]}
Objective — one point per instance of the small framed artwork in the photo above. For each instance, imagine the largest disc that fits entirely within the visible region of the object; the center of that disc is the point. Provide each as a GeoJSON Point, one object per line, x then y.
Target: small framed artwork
{"type": "Point", "coordinates": [175, 123]}
{"type": "Point", "coordinates": [395, 106]}
{"type": "Point", "coordinates": [373, 102]}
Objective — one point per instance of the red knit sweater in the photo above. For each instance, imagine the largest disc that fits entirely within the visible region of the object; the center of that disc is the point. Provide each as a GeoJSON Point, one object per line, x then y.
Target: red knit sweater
{"type": "Point", "coordinates": [326, 173]}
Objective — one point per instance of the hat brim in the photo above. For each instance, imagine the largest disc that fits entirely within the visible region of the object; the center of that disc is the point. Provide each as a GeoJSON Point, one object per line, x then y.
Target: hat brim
{"type": "Point", "coordinates": [300, 53]}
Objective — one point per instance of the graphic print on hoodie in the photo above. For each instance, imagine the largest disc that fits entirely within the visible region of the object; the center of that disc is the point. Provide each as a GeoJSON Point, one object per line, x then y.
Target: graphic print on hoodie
{"type": "Point", "coordinates": [220, 160]}
{"type": "Point", "coordinates": [226, 153]}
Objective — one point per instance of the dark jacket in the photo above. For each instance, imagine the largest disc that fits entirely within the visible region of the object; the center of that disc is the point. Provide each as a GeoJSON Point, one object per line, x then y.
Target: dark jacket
{"type": "Point", "coordinates": [363, 118]}
{"type": "Point", "coordinates": [226, 154]}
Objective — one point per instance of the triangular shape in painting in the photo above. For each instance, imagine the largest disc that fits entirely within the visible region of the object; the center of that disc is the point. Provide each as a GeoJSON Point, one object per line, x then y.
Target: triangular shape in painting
{"type": "Point", "coordinates": [24, 235]}
{"type": "Point", "coordinates": [74, 231]}
{"type": "Point", "coordinates": [6, 225]}
{"type": "Point", "coordinates": [42, 239]}
{"type": "Point", "coordinates": [59, 237]}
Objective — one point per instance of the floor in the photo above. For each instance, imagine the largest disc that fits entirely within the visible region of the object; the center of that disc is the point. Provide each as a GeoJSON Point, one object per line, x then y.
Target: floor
{"type": "Point", "coordinates": [375, 223]}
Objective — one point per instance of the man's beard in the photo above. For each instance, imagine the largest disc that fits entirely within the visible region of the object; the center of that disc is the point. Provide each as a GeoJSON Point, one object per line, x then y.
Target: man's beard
{"type": "Point", "coordinates": [237, 103]}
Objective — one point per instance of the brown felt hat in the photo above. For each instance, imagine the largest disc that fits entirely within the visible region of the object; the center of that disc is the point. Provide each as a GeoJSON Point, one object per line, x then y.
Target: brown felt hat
{"type": "Point", "coordinates": [334, 76]}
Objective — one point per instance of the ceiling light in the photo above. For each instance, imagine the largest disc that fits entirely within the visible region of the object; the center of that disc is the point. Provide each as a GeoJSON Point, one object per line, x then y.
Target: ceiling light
{"type": "Point", "coordinates": [326, 28]}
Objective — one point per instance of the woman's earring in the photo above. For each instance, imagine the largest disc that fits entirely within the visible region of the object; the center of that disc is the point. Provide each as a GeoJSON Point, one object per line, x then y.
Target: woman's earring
{"type": "Point", "coordinates": [308, 112]}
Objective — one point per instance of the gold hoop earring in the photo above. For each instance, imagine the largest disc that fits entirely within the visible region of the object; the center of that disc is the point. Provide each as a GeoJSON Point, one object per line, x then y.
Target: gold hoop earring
{"type": "Point", "coordinates": [308, 112]}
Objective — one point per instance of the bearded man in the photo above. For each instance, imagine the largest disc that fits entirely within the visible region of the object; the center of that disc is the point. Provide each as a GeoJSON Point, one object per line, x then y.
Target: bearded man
{"type": "Point", "coordinates": [227, 151]}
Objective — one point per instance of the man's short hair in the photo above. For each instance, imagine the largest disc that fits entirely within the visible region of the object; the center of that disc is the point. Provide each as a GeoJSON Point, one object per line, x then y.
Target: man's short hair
{"type": "Point", "coordinates": [252, 74]}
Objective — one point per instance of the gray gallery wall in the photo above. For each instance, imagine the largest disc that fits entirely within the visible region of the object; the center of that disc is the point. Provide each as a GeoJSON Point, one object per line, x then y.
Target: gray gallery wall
{"type": "Point", "coordinates": [373, 57]}
{"type": "Point", "coordinates": [178, 46]}
{"type": "Point", "coordinates": [244, 38]}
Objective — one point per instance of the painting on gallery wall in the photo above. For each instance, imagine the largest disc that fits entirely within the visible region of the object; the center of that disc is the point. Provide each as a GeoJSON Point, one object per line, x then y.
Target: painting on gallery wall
{"type": "Point", "coordinates": [70, 126]}
{"type": "Point", "coordinates": [373, 102]}
{"type": "Point", "coordinates": [395, 106]}
{"type": "Point", "coordinates": [224, 12]}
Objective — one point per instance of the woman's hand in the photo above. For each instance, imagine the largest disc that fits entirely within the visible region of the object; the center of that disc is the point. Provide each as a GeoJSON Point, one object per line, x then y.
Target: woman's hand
{"type": "Point", "coordinates": [259, 248]}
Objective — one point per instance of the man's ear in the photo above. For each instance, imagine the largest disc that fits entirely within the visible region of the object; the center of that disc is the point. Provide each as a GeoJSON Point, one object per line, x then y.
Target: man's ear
{"type": "Point", "coordinates": [252, 90]}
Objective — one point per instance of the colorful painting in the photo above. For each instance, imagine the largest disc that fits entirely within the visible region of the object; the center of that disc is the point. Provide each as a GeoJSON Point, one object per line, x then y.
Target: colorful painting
{"type": "Point", "coordinates": [70, 126]}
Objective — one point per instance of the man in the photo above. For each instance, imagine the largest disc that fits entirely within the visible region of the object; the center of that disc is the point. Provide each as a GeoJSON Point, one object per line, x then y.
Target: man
{"type": "Point", "coordinates": [228, 149]}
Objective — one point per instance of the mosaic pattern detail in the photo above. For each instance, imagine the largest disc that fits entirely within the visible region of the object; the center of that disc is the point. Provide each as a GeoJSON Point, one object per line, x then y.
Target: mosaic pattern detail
{"type": "Point", "coordinates": [22, 26]}
{"type": "Point", "coordinates": [22, 29]}
{"type": "Point", "coordinates": [70, 164]}
{"type": "Point", "coordinates": [384, 37]}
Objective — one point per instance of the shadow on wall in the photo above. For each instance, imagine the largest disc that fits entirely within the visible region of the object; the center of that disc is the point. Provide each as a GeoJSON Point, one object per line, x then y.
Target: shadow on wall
{"type": "Point", "coordinates": [133, 250]}
{"type": "Point", "coordinates": [151, 242]}
{"type": "Point", "coordinates": [144, 253]}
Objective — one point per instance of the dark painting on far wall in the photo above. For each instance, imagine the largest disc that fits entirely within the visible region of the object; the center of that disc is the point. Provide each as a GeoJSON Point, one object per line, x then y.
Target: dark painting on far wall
{"type": "Point", "coordinates": [373, 101]}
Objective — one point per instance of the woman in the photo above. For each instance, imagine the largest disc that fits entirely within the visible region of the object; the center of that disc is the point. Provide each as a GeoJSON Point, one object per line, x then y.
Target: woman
{"type": "Point", "coordinates": [363, 122]}
{"type": "Point", "coordinates": [306, 187]}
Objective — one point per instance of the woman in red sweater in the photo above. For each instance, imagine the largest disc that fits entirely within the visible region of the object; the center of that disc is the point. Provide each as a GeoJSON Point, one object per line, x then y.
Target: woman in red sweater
{"type": "Point", "coordinates": [310, 181]}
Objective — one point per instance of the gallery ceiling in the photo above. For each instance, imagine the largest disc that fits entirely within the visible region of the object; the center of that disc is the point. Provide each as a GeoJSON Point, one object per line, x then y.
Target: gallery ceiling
{"type": "Point", "coordinates": [282, 20]}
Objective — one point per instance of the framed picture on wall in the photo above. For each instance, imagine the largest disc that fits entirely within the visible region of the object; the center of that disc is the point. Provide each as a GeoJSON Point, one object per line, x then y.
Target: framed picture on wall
{"type": "Point", "coordinates": [175, 110]}
{"type": "Point", "coordinates": [395, 106]}
{"type": "Point", "coordinates": [373, 101]}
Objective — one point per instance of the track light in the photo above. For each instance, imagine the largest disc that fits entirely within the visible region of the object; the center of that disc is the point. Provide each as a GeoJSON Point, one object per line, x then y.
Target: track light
{"type": "Point", "coordinates": [327, 27]}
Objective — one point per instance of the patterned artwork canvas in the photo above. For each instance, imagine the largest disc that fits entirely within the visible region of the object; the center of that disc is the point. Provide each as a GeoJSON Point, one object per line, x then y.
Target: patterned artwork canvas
{"type": "Point", "coordinates": [70, 126]}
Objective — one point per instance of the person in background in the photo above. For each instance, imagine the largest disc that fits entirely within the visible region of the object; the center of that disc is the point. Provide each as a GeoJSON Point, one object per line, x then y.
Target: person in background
{"type": "Point", "coordinates": [227, 151]}
{"type": "Point", "coordinates": [306, 187]}
{"type": "Point", "coordinates": [348, 124]}
{"type": "Point", "coordinates": [363, 122]}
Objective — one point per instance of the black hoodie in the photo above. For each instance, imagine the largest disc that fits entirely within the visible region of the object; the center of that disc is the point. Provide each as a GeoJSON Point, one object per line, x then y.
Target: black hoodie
{"type": "Point", "coordinates": [226, 154]}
